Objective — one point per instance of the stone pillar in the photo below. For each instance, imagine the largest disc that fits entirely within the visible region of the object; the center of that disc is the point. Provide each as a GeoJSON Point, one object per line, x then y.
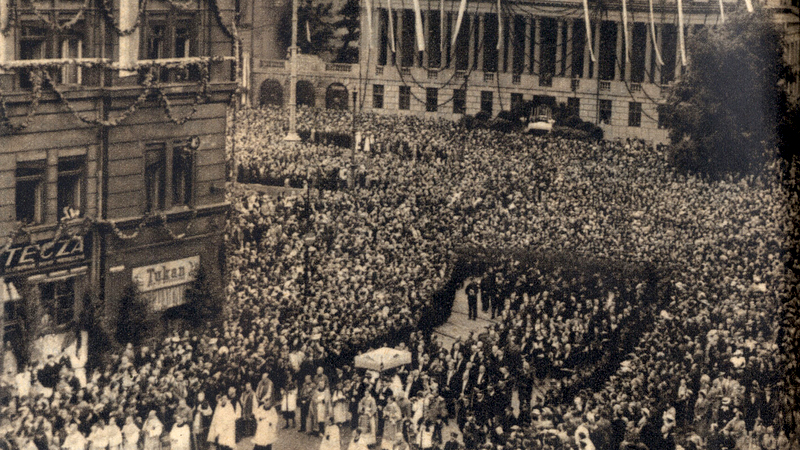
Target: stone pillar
{"type": "Point", "coordinates": [559, 44]}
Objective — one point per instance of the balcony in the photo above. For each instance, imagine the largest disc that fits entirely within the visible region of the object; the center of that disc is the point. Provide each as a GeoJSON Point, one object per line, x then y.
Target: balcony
{"type": "Point", "coordinates": [604, 85]}
{"type": "Point", "coordinates": [272, 64]}
{"type": "Point", "coordinates": [488, 76]}
{"type": "Point", "coordinates": [575, 84]}
{"type": "Point", "coordinates": [338, 67]}
{"type": "Point", "coordinates": [546, 80]}
{"type": "Point", "coordinates": [433, 74]}
{"type": "Point", "coordinates": [636, 87]}
{"type": "Point", "coordinates": [460, 74]}
{"type": "Point", "coordinates": [379, 70]}
{"type": "Point", "coordinates": [516, 78]}
{"type": "Point", "coordinates": [404, 70]}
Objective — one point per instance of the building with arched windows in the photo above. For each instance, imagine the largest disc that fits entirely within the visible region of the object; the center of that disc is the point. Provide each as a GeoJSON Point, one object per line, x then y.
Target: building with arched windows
{"type": "Point", "coordinates": [506, 53]}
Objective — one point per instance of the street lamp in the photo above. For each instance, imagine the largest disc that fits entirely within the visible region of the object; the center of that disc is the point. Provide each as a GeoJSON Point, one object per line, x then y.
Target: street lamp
{"type": "Point", "coordinates": [292, 135]}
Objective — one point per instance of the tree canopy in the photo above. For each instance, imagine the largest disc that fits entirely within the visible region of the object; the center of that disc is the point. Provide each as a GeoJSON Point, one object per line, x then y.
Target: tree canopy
{"type": "Point", "coordinates": [314, 19]}
{"type": "Point", "coordinates": [725, 111]}
{"type": "Point", "coordinates": [350, 22]}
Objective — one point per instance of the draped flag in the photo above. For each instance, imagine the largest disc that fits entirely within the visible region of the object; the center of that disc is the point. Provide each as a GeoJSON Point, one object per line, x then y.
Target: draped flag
{"type": "Point", "coordinates": [749, 4]}
{"type": "Point", "coordinates": [625, 30]}
{"type": "Point", "coordinates": [441, 32]}
{"type": "Point", "coordinates": [589, 29]}
{"type": "Point", "coordinates": [418, 26]}
{"type": "Point", "coordinates": [461, 8]}
{"type": "Point", "coordinates": [721, 12]}
{"type": "Point", "coordinates": [308, 32]}
{"type": "Point", "coordinates": [499, 27]}
{"type": "Point", "coordinates": [391, 26]}
{"type": "Point", "coordinates": [368, 5]}
{"type": "Point", "coordinates": [659, 61]}
{"type": "Point", "coordinates": [681, 38]}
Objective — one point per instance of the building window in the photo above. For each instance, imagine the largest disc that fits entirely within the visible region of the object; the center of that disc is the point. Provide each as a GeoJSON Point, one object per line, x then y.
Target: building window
{"type": "Point", "coordinates": [71, 48]}
{"type": "Point", "coordinates": [58, 300]}
{"type": "Point", "coordinates": [155, 177]}
{"type": "Point", "coordinates": [29, 198]}
{"type": "Point", "coordinates": [487, 101]}
{"type": "Point", "coordinates": [182, 175]}
{"type": "Point", "coordinates": [662, 120]}
{"type": "Point", "coordinates": [431, 99]}
{"type": "Point", "coordinates": [605, 111]}
{"type": "Point", "coordinates": [404, 102]}
{"type": "Point", "coordinates": [634, 114]}
{"type": "Point", "coordinates": [574, 106]}
{"type": "Point", "coordinates": [12, 314]}
{"type": "Point", "coordinates": [459, 101]}
{"type": "Point", "coordinates": [71, 175]}
{"type": "Point", "coordinates": [171, 37]}
{"type": "Point", "coordinates": [377, 96]}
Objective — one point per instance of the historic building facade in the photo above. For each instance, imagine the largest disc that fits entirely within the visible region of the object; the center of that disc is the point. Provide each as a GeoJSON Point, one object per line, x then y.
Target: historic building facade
{"type": "Point", "coordinates": [534, 51]}
{"type": "Point", "coordinates": [112, 159]}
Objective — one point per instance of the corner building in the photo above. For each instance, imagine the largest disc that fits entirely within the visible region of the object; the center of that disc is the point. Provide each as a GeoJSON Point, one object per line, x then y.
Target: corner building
{"type": "Point", "coordinates": [112, 159]}
{"type": "Point", "coordinates": [535, 51]}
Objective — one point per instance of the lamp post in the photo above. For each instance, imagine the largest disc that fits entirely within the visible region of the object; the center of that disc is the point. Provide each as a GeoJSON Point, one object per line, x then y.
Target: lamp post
{"type": "Point", "coordinates": [292, 135]}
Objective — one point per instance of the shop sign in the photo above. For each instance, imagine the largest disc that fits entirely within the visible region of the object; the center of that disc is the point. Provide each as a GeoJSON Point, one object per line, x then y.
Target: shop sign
{"type": "Point", "coordinates": [167, 274]}
{"type": "Point", "coordinates": [44, 254]}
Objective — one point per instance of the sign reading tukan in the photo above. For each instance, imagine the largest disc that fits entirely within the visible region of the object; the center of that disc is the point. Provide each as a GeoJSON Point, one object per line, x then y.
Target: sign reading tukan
{"type": "Point", "coordinates": [167, 274]}
{"type": "Point", "coordinates": [43, 254]}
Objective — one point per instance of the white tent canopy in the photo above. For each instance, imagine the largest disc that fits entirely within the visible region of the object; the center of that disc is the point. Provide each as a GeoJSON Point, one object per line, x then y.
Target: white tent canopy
{"type": "Point", "coordinates": [382, 359]}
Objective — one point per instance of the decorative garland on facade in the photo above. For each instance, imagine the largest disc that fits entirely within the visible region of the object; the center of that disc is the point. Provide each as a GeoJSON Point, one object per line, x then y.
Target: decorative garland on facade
{"type": "Point", "coordinates": [109, 16]}
{"type": "Point", "coordinates": [184, 5]}
{"type": "Point", "coordinates": [147, 218]}
{"type": "Point", "coordinates": [127, 237]}
{"type": "Point", "coordinates": [199, 98]}
{"type": "Point", "coordinates": [12, 18]}
{"type": "Point", "coordinates": [148, 85]}
{"type": "Point", "coordinates": [54, 25]}
{"type": "Point", "coordinates": [218, 15]}
{"type": "Point", "coordinates": [5, 122]}
{"type": "Point", "coordinates": [178, 237]}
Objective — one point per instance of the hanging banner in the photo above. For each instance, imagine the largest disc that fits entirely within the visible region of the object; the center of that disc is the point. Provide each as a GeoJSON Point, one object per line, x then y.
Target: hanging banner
{"type": "Point", "coordinates": [167, 274]}
{"type": "Point", "coordinates": [681, 38]}
{"type": "Point", "coordinates": [308, 32]}
{"type": "Point", "coordinates": [418, 27]}
{"type": "Point", "coordinates": [749, 4]}
{"type": "Point", "coordinates": [44, 254]}
{"type": "Point", "coordinates": [721, 12]}
{"type": "Point", "coordinates": [625, 30]}
{"type": "Point", "coordinates": [589, 29]}
{"type": "Point", "coordinates": [659, 61]}
{"type": "Point", "coordinates": [391, 26]}
{"type": "Point", "coordinates": [442, 59]}
{"type": "Point", "coordinates": [461, 8]}
{"type": "Point", "coordinates": [368, 6]}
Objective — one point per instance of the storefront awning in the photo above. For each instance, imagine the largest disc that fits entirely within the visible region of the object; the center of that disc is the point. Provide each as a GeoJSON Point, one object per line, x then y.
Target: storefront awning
{"type": "Point", "coordinates": [8, 293]}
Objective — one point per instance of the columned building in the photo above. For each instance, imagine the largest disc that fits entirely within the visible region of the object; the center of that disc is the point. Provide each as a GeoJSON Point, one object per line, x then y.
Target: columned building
{"type": "Point", "coordinates": [526, 51]}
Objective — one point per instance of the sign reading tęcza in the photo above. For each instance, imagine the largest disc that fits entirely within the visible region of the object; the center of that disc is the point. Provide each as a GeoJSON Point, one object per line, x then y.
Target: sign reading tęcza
{"type": "Point", "coordinates": [43, 254]}
{"type": "Point", "coordinates": [167, 274]}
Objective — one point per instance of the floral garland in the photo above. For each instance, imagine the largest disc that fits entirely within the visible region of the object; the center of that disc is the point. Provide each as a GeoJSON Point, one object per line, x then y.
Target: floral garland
{"type": "Point", "coordinates": [183, 5]}
{"type": "Point", "coordinates": [65, 224]}
{"type": "Point", "coordinates": [54, 25]}
{"type": "Point", "coordinates": [178, 237]}
{"type": "Point", "coordinates": [5, 122]}
{"type": "Point", "coordinates": [126, 237]}
{"type": "Point", "coordinates": [148, 84]}
{"type": "Point", "coordinates": [199, 98]}
{"type": "Point", "coordinates": [109, 16]}
{"type": "Point", "coordinates": [218, 15]}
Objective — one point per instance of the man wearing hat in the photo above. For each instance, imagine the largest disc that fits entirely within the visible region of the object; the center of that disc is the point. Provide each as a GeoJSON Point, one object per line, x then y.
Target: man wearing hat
{"type": "Point", "coordinates": [452, 443]}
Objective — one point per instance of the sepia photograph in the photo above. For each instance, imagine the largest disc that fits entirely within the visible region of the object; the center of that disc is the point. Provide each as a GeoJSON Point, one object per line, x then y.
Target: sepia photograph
{"type": "Point", "coordinates": [399, 225]}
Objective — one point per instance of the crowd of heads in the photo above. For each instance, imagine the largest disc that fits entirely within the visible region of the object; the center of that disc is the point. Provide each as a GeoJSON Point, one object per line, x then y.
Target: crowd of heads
{"type": "Point", "coordinates": [317, 276]}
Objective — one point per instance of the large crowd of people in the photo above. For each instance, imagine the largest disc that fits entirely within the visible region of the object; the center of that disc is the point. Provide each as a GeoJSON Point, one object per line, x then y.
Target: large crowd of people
{"type": "Point", "coordinates": [352, 261]}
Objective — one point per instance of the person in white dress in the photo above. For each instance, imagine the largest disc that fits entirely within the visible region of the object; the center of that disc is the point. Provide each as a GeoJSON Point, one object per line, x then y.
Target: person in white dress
{"type": "Point", "coordinates": [180, 437]}
{"type": "Point", "coordinates": [223, 425]}
{"type": "Point", "coordinates": [74, 440]}
{"type": "Point", "coordinates": [98, 440]}
{"type": "Point", "coordinates": [357, 442]}
{"type": "Point", "coordinates": [266, 425]}
{"type": "Point", "coordinates": [130, 435]}
{"type": "Point", "coordinates": [113, 434]}
{"type": "Point", "coordinates": [331, 440]}
{"type": "Point", "coordinates": [152, 429]}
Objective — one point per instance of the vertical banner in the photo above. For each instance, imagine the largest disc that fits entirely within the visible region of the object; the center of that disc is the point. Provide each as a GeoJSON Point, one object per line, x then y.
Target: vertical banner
{"type": "Point", "coordinates": [625, 30]}
{"type": "Point", "coordinates": [659, 61]}
{"type": "Point", "coordinates": [418, 27]}
{"type": "Point", "coordinates": [749, 4]}
{"type": "Point", "coordinates": [442, 59]}
{"type": "Point", "coordinates": [721, 12]}
{"type": "Point", "coordinates": [128, 45]}
{"type": "Point", "coordinates": [308, 32]}
{"type": "Point", "coordinates": [681, 37]}
{"type": "Point", "coordinates": [589, 29]}
{"type": "Point", "coordinates": [461, 8]}
{"type": "Point", "coordinates": [368, 6]}
{"type": "Point", "coordinates": [391, 26]}
{"type": "Point", "coordinates": [499, 27]}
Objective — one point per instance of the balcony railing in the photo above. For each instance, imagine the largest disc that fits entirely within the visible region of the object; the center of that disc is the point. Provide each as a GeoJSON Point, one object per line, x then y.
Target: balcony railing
{"type": "Point", "coordinates": [576, 84]}
{"type": "Point", "coordinates": [516, 78]}
{"type": "Point", "coordinates": [460, 74]}
{"type": "Point", "coordinates": [546, 80]}
{"type": "Point", "coordinates": [636, 87]}
{"type": "Point", "coordinates": [405, 70]}
{"type": "Point", "coordinates": [488, 76]}
{"type": "Point", "coordinates": [605, 85]}
{"type": "Point", "coordinates": [379, 70]}
{"type": "Point", "coordinates": [433, 74]}
{"type": "Point", "coordinates": [271, 64]}
{"type": "Point", "coordinates": [337, 67]}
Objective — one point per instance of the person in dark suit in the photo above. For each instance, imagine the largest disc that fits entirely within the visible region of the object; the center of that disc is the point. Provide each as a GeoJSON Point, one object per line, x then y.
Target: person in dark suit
{"type": "Point", "coordinates": [488, 288]}
{"type": "Point", "coordinates": [452, 443]}
{"type": "Point", "coordinates": [472, 300]}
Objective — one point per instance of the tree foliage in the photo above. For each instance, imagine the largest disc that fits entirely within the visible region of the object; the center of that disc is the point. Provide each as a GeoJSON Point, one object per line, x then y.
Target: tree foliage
{"type": "Point", "coordinates": [319, 18]}
{"type": "Point", "coordinates": [135, 321]}
{"type": "Point", "coordinates": [350, 21]}
{"type": "Point", "coordinates": [724, 112]}
{"type": "Point", "coordinates": [202, 303]}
